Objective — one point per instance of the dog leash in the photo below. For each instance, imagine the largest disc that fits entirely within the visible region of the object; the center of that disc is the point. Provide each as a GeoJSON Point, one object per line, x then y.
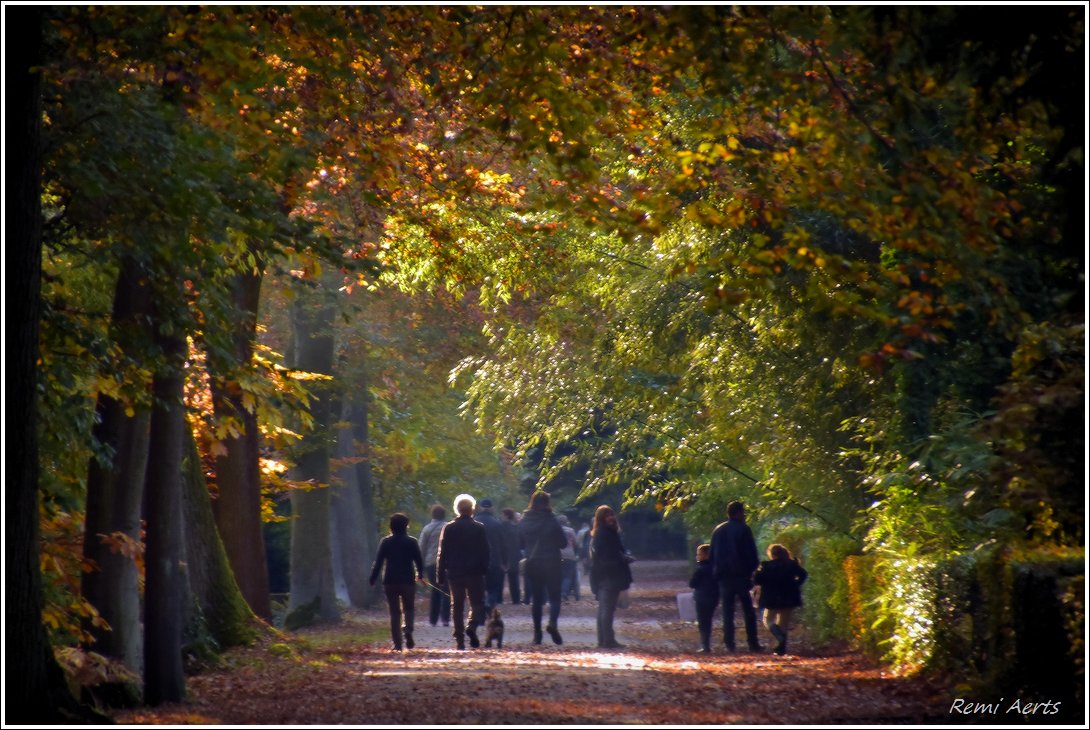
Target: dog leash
{"type": "Point", "coordinates": [431, 585]}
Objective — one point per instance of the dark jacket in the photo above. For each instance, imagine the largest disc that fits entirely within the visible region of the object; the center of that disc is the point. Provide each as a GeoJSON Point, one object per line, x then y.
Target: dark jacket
{"type": "Point", "coordinates": [497, 539]}
{"type": "Point", "coordinates": [511, 540]}
{"type": "Point", "coordinates": [705, 586]}
{"type": "Point", "coordinates": [541, 536]}
{"type": "Point", "coordinates": [463, 549]}
{"type": "Point", "coordinates": [734, 551]}
{"type": "Point", "coordinates": [608, 561]}
{"type": "Point", "coordinates": [399, 552]}
{"type": "Point", "coordinates": [781, 582]}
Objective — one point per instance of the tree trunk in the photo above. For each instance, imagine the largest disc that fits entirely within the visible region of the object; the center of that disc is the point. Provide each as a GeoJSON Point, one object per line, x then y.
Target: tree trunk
{"type": "Point", "coordinates": [362, 438]}
{"type": "Point", "coordinates": [166, 581]}
{"type": "Point", "coordinates": [115, 490]}
{"type": "Point", "coordinates": [313, 593]}
{"type": "Point", "coordinates": [238, 472]}
{"type": "Point", "coordinates": [34, 684]}
{"type": "Point", "coordinates": [350, 539]}
{"type": "Point", "coordinates": [223, 610]}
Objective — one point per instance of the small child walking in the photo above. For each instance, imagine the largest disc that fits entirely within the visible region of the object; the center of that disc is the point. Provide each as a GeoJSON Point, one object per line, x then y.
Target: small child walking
{"type": "Point", "coordinates": [780, 579]}
{"type": "Point", "coordinates": [705, 595]}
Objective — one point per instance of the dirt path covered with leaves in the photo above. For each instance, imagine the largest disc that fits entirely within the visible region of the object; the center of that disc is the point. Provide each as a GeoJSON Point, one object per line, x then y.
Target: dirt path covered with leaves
{"type": "Point", "coordinates": [348, 674]}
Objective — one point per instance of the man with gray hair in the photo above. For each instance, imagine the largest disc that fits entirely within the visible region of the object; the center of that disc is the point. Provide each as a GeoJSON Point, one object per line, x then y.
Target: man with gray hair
{"type": "Point", "coordinates": [463, 561]}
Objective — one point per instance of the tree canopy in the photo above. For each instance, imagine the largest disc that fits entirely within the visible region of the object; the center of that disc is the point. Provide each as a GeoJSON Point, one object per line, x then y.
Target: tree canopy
{"type": "Point", "coordinates": [829, 260]}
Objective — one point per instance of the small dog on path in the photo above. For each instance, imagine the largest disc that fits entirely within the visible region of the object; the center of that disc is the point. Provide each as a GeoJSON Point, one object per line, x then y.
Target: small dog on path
{"type": "Point", "coordinates": [494, 627]}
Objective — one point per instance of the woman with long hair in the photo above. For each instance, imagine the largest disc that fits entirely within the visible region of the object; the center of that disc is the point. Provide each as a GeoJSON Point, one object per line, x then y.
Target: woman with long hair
{"type": "Point", "coordinates": [609, 571]}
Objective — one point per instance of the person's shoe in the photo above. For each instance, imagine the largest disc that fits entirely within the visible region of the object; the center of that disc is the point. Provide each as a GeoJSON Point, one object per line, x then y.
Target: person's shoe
{"type": "Point", "coordinates": [614, 645]}
{"type": "Point", "coordinates": [472, 634]}
{"type": "Point", "coordinates": [704, 650]}
{"type": "Point", "coordinates": [461, 644]}
{"type": "Point", "coordinates": [537, 636]}
{"type": "Point", "coordinates": [756, 648]}
{"type": "Point", "coordinates": [555, 634]}
{"type": "Point", "coordinates": [409, 643]}
{"type": "Point", "coordinates": [730, 647]}
{"type": "Point", "coordinates": [397, 647]}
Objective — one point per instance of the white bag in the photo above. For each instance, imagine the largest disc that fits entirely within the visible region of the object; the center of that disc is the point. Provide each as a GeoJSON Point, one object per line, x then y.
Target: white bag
{"type": "Point", "coordinates": [686, 606]}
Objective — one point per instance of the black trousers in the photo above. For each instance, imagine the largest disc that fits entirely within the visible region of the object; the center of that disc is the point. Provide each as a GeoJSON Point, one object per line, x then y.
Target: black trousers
{"type": "Point", "coordinates": [466, 588]}
{"type": "Point", "coordinates": [733, 590]}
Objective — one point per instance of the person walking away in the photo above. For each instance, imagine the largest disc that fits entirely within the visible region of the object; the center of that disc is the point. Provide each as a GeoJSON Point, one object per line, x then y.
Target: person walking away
{"type": "Point", "coordinates": [541, 539]}
{"type": "Point", "coordinates": [705, 595]}
{"type": "Point", "coordinates": [780, 578]}
{"type": "Point", "coordinates": [439, 600]}
{"type": "Point", "coordinates": [734, 559]}
{"type": "Point", "coordinates": [609, 572]}
{"type": "Point", "coordinates": [569, 565]}
{"type": "Point", "coordinates": [514, 554]}
{"type": "Point", "coordinates": [462, 562]}
{"type": "Point", "coordinates": [497, 551]}
{"type": "Point", "coordinates": [404, 566]}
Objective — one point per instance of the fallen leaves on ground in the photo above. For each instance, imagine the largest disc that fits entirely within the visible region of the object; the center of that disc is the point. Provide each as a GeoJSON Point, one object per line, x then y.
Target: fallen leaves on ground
{"type": "Point", "coordinates": [345, 674]}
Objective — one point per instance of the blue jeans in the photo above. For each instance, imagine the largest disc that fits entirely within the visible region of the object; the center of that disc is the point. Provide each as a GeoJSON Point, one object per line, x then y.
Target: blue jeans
{"type": "Point", "coordinates": [439, 606]}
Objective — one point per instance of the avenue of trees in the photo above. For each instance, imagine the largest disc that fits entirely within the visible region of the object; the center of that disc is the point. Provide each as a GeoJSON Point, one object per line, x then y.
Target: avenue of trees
{"type": "Point", "coordinates": [279, 271]}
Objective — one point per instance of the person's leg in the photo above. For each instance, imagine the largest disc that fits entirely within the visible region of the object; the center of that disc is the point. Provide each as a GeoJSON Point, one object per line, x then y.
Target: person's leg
{"type": "Point", "coordinates": [513, 584]}
{"type": "Point", "coordinates": [749, 615]}
{"type": "Point", "coordinates": [781, 625]}
{"type": "Point", "coordinates": [607, 607]}
{"type": "Point", "coordinates": [475, 593]}
{"type": "Point", "coordinates": [726, 593]}
{"type": "Point", "coordinates": [434, 597]}
{"type": "Point", "coordinates": [408, 609]}
{"type": "Point", "coordinates": [536, 586]}
{"type": "Point", "coordinates": [553, 587]}
{"type": "Point", "coordinates": [393, 602]}
{"type": "Point", "coordinates": [457, 610]}
{"type": "Point", "coordinates": [704, 612]}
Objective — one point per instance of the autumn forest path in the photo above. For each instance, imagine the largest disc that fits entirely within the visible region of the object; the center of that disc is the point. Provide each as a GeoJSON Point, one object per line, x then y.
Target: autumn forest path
{"type": "Point", "coordinates": [348, 674]}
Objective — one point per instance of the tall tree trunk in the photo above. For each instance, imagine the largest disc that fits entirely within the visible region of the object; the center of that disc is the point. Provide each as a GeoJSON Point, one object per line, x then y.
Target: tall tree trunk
{"type": "Point", "coordinates": [362, 438]}
{"type": "Point", "coordinates": [166, 581]}
{"type": "Point", "coordinates": [349, 532]}
{"type": "Point", "coordinates": [115, 489]}
{"type": "Point", "coordinates": [312, 588]}
{"type": "Point", "coordinates": [238, 472]}
{"type": "Point", "coordinates": [34, 684]}
{"type": "Point", "coordinates": [223, 610]}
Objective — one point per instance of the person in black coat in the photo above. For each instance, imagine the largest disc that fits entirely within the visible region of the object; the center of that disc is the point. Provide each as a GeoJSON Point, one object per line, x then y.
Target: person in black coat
{"type": "Point", "coordinates": [609, 572]}
{"type": "Point", "coordinates": [734, 559]}
{"type": "Point", "coordinates": [780, 579]}
{"type": "Point", "coordinates": [462, 563]}
{"type": "Point", "coordinates": [542, 538]}
{"type": "Point", "coordinates": [705, 595]}
{"type": "Point", "coordinates": [497, 551]}
{"type": "Point", "coordinates": [400, 553]}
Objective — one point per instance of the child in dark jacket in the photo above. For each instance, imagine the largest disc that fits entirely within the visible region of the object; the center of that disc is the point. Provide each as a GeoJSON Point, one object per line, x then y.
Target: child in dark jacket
{"type": "Point", "coordinates": [781, 580]}
{"type": "Point", "coordinates": [705, 595]}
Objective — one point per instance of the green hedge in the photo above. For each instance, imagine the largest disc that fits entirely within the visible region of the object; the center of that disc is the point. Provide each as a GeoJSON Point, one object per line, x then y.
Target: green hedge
{"type": "Point", "coordinates": [994, 624]}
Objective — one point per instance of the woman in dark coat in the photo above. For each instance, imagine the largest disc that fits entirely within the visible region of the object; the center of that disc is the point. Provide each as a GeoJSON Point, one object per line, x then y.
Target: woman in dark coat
{"type": "Point", "coordinates": [781, 580]}
{"type": "Point", "coordinates": [404, 567]}
{"type": "Point", "coordinates": [609, 572]}
{"type": "Point", "coordinates": [541, 539]}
